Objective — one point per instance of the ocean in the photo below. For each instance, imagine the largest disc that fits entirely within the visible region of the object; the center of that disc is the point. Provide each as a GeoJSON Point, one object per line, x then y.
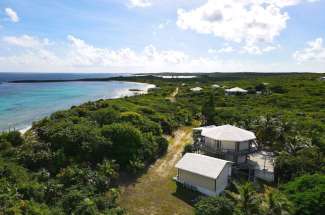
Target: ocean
{"type": "Point", "coordinates": [23, 103]}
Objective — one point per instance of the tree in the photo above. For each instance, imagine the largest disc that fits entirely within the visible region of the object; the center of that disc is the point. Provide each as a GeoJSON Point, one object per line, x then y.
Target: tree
{"type": "Point", "coordinates": [105, 116]}
{"type": "Point", "coordinates": [11, 138]}
{"type": "Point", "coordinates": [246, 200]}
{"type": "Point", "coordinates": [214, 206]}
{"type": "Point", "coordinates": [15, 138]}
{"type": "Point", "coordinates": [208, 110]}
{"type": "Point", "coordinates": [127, 142]}
{"type": "Point", "coordinates": [308, 160]}
{"type": "Point", "coordinates": [188, 148]}
{"type": "Point", "coordinates": [276, 203]}
{"type": "Point", "coordinates": [279, 89]}
{"type": "Point", "coordinates": [307, 193]}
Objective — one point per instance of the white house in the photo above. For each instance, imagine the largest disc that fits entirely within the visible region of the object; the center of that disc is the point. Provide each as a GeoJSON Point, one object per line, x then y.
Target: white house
{"type": "Point", "coordinates": [262, 165]}
{"type": "Point", "coordinates": [196, 89]}
{"type": "Point", "coordinates": [226, 142]}
{"type": "Point", "coordinates": [235, 91]}
{"type": "Point", "coordinates": [205, 174]}
{"type": "Point", "coordinates": [215, 86]}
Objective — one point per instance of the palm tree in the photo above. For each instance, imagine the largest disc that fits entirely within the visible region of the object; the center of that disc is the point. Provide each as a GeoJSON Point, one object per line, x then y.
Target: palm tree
{"type": "Point", "coordinates": [246, 200]}
{"type": "Point", "coordinates": [295, 143]}
{"type": "Point", "coordinates": [276, 203]}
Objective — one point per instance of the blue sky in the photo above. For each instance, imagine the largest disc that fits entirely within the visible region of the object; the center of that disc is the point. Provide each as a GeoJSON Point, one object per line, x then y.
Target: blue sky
{"type": "Point", "coordinates": [162, 36]}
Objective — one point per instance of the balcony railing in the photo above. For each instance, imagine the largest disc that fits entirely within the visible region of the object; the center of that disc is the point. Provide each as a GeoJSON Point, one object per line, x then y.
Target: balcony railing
{"type": "Point", "coordinates": [204, 147]}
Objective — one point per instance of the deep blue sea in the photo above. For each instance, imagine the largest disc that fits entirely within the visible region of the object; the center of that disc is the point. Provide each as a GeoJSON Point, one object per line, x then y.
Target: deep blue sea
{"type": "Point", "coordinates": [21, 104]}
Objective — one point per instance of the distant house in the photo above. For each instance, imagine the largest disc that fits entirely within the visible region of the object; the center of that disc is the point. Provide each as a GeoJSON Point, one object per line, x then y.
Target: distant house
{"type": "Point", "coordinates": [322, 78]}
{"type": "Point", "coordinates": [235, 91]}
{"type": "Point", "coordinates": [226, 142]}
{"type": "Point", "coordinates": [196, 89]}
{"type": "Point", "coordinates": [262, 165]}
{"type": "Point", "coordinates": [205, 174]}
{"type": "Point", "coordinates": [215, 86]}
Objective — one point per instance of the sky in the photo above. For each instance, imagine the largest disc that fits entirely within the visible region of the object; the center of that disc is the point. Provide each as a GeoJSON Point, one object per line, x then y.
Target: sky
{"type": "Point", "coordinates": [139, 36]}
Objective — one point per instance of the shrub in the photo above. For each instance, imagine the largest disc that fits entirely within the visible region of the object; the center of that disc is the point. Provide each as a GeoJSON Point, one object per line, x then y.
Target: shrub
{"type": "Point", "coordinates": [188, 148]}
{"type": "Point", "coordinates": [127, 142]}
{"type": "Point", "coordinates": [307, 193]}
{"type": "Point", "coordinates": [214, 206]}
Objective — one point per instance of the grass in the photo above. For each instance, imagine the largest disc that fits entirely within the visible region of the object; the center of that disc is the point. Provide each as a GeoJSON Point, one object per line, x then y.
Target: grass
{"type": "Point", "coordinates": [155, 192]}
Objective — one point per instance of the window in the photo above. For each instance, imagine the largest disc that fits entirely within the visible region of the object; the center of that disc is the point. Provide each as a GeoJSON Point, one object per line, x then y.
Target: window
{"type": "Point", "coordinates": [237, 146]}
{"type": "Point", "coordinates": [219, 144]}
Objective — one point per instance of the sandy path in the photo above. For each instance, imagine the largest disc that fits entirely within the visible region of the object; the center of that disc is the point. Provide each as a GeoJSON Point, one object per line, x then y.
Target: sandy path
{"type": "Point", "coordinates": [172, 96]}
{"type": "Point", "coordinates": [153, 193]}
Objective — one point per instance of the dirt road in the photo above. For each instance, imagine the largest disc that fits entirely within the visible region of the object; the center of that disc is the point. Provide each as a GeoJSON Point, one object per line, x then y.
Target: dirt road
{"type": "Point", "coordinates": [154, 192]}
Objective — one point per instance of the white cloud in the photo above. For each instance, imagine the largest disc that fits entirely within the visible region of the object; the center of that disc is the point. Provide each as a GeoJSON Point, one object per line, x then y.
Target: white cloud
{"type": "Point", "coordinates": [140, 3]}
{"type": "Point", "coordinates": [287, 3]}
{"type": "Point", "coordinates": [248, 21]}
{"type": "Point", "coordinates": [164, 24]}
{"type": "Point", "coordinates": [76, 55]}
{"type": "Point", "coordinates": [12, 15]}
{"type": "Point", "coordinates": [315, 51]}
{"type": "Point", "coordinates": [257, 50]}
{"type": "Point", "coordinates": [83, 54]}
{"type": "Point", "coordinates": [26, 41]}
{"type": "Point", "coordinates": [254, 23]}
{"type": "Point", "coordinates": [227, 49]}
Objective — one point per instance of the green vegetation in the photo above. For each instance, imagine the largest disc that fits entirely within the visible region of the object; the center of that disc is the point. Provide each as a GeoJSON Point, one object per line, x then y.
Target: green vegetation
{"type": "Point", "coordinates": [71, 161]}
{"type": "Point", "coordinates": [307, 193]}
{"type": "Point", "coordinates": [214, 206]}
{"type": "Point", "coordinates": [245, 200]}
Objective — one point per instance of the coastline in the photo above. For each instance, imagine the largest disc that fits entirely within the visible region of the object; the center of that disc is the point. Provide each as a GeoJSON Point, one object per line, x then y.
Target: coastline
{"type": "Point", "coordinates": [24, 130]}
{"type": "Point", "coordinates": [135, 93]}
{"type": "Point", "coordinates": [142, 91]}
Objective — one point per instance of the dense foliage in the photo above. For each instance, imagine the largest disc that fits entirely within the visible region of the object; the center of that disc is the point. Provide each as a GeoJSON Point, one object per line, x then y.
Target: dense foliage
{"type": "Point", "coordinates": [307, 193]}
{"type": "Point", "coordinates": [214, 206]}
{"type": "Point", "coordinates": [245, 200]}
{"type": "Point", "coordinates": [70, 162]}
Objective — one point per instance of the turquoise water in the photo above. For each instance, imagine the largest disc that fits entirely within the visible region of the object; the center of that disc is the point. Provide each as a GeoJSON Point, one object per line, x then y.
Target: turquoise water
{"type": "Point", "coordinates": [21, 104]}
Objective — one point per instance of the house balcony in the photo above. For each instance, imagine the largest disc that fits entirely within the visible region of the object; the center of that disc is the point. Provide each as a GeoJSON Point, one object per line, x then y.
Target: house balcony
{"type": "Point", "coordinates": [221, 151]}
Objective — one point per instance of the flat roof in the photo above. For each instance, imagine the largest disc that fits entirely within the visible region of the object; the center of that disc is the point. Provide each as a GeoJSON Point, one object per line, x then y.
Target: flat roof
{"type": "Point", "coordinates": [227, 133]}
{"type": "Point", "coordinates": [236, 89]}
{"type": "Point", "coordinates": [196, 89]}
{"type": "Point", "coordinates": [202, 165]}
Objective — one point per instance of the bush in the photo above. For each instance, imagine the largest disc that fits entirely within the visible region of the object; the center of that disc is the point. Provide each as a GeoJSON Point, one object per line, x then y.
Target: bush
{"type": "Point", "coordinates": [278, 89]}
{"type": "Point", "coordinates": [105, 116]}
{"type": "Point", "coordinates": [11, 138]}
{"type": "Point", "coordinates": [188, 148]}
{"type": "Point", "coordinates": [288, 166]}
{"type": "Point", "coordinates": [307, 193]}
{"type": "Point", "coordinates": [15, 138]}
{"type": "Point", "coordinates": [163, 145]}
{"type": "Point", "coordinates": [127, 142]}
{"type": "Point", "coordinates": [214, 206]}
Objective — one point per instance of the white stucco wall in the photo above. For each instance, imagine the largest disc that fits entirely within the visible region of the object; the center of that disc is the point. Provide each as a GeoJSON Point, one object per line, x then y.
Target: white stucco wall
{"type": "Point", "coordinates": [196, 180]}
{"type": "Point", "coordinates": [204, 184]}
{"type": "Point", "coordinates": [222, 180]}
